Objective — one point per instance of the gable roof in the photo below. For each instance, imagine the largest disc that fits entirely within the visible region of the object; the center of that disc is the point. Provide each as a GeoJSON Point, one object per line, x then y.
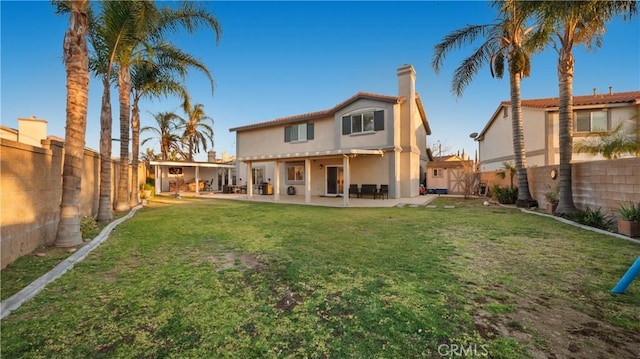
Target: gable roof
{"type": "Point", "coordinates": [321, 114]}
{"type": "Point", "coordinates": [630, 97]}
{"type": "Point", "coordinates": [598, 99]}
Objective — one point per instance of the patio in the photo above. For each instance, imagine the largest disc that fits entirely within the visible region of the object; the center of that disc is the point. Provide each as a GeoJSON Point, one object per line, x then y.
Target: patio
{"type": "Point", "coordinates": [321, 200]}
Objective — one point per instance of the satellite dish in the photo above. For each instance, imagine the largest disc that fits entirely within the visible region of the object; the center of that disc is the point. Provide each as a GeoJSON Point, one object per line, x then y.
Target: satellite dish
{"type": "Point", "coordinates": [473, 135]}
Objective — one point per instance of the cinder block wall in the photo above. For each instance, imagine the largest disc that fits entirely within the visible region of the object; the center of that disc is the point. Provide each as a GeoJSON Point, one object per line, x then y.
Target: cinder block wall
{"type": "Point", "coordinates": [603, 184]}
{"type": "Point", "coordinates": [31, 191]}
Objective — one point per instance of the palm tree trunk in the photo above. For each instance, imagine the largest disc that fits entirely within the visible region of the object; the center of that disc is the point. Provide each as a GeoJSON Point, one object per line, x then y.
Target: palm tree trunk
{"type": "Point", "coordinates": [76, 59]}
{"type": "Point", "coordinates": [565, 76]}
{"type": "Point", "coordinates": [105, 212]}
{"type": "Point", "coordinates": [135, 149]}
{"type": "Point", "coordinates": [124, 88]}
{"type": "Point", "coordinates": [524, 195]}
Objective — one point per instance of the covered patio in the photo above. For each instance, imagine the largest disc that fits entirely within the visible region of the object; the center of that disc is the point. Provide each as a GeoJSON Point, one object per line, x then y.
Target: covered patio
{"type": "Point", "coordinates": [184, 176]}
{"type": "Point", "coordinates": [338, 161]}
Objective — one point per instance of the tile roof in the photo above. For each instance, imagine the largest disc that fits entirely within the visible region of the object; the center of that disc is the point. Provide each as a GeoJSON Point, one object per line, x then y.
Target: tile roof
{"type": "Point", "coordinates": [319, 114]}
{"type": "Point", "coordinates": [599, 99]}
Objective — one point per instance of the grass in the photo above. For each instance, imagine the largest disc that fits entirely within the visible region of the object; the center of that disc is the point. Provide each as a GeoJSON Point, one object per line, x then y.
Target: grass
{"type": "Point", "coordinates": [173, 281]}
{"type": "Point", "coordinates": [28, 268]}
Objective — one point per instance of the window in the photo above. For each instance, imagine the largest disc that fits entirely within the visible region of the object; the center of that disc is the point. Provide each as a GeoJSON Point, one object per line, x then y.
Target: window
{"type": "Point", "coordinates": [591, 121]}
{"type": "Point", "coordinates": [437, 172]}
{"type": "Point", "coordinates": [297, 133]}
{"type": "Point", "coordinates": [363, 122]}
{"type": "Point", "coordinates": [295, 173]}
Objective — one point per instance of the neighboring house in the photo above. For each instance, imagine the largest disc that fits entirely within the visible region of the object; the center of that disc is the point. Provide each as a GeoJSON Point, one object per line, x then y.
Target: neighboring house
{"type": "Point", "coordinates": [592, 113]}
{"type": "Point", "coordinates": [446, 174]}
{"type": "Point", "coordinates": [367, 139]}
{"type": "Point", "coordinates": [31, 131]}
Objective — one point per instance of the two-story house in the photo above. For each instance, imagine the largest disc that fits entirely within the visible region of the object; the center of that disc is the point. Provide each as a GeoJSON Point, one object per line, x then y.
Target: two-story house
{"type": "Point", "coordinates": [366, 139]}
{"type": "Point", "coordinates": [591, 113]}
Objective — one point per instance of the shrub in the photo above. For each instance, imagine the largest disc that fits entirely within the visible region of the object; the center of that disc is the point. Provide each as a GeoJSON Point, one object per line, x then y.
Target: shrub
{"type": "Point", "coordinates": [551, 195]}
{"type": "Point", "coordinates": [630, 212]}
{"type": "Point", "coordinates": [505, 195]}
{"type": "Point", "coordinates": [594, 218]}
{"type": "Point", "coordinates": [88, 226]}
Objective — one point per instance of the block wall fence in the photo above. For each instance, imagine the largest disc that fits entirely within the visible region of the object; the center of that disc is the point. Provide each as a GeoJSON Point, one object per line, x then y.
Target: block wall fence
{"type": "Point", "coordinates": [605, 184]}
{"type": "Point", "coordinates": [31, 191]}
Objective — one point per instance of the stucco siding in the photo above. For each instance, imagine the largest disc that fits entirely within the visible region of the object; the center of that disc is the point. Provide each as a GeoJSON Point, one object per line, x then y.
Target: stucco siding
{"type": "Point", "coordinates": [377, 139]}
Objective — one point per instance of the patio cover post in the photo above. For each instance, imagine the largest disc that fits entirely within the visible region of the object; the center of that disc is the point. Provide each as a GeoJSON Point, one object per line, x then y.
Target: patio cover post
{"type": "Point", "coordinates": [276, 182]}
{"type": "Point", "coordinates": [157, 181]}
{"type": "Point", "coordinates": [249, 179]}
{"type": "Point", "coordinates": [307, 180]}
{"type": "Point", "coordinates": [229, 176]}
{"type": "Point", "coordinates": [347, 180]}
{"type": "Point", "coordinates": [197, 182]}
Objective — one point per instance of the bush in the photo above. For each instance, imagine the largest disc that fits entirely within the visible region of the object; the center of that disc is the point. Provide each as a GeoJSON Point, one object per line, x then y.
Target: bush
{"type": "Point", "coordinates": [505, 195]}
{"type": "Point", "coordinates": [630, 212]}
{"type": "Point", "coordinates": [88, 226]}
{"type": "Point", "coordinates": [594, 218]}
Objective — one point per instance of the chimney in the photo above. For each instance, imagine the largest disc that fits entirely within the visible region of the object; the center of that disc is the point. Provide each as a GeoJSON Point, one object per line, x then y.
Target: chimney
{"type": "Point", "coordinates": [407, 82]}
{"type": "Point", "coordinates": [211, 156]}
{"type": "Point", "coordinates": [610, 90]}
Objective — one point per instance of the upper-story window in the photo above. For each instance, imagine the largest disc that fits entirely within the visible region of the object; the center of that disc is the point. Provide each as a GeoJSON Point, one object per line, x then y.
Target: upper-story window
{"type": "Point", "coordinates": [363, 122]}
{"type": "Point", "coordinates": [591, 121]}
{"type": "Point", "coordinates": [299, 132]}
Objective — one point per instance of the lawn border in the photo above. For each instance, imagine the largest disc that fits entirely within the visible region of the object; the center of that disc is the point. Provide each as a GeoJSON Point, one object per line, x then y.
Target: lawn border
{"type": "Point", "coordinates": [572, 223]}
{"type": "Point", "coordinates": [15, 301]}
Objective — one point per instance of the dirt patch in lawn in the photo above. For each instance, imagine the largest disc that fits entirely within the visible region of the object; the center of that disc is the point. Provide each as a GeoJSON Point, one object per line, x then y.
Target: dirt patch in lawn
{"type": "Point", "coordinates": [552, 329]}
{"type": "Point", "coordinates": [230, 260]}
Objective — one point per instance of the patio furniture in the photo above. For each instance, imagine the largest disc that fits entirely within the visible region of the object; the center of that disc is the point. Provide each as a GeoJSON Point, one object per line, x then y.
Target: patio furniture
{"type": "Point", "coordinates": [369, 190]}
{"type": "Point", "coordinates": [384, 191]}
{"type": "Point", "coordinates": [353, 189]}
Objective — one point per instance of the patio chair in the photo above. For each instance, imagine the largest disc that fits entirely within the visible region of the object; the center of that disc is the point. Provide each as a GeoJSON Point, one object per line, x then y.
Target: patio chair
{"type": "Point", "coordinates": [353, 189]}
{"type": "Point", "coordinates": [384, 191]}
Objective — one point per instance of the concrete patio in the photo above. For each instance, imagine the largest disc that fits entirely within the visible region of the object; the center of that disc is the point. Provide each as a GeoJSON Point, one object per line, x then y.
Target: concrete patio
{"type": "Point", "coordinates": [320, 200]}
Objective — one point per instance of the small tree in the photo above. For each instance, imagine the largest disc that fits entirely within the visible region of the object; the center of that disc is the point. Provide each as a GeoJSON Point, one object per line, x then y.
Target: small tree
{"type": "Point", "coordinates": [507, 166]}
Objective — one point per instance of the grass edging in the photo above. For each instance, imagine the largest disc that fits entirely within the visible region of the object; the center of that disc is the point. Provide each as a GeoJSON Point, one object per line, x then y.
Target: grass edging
{"type": "Point", "coordinates": [572, 223]}
{"type": "Point", "coordinates": [15, 301]}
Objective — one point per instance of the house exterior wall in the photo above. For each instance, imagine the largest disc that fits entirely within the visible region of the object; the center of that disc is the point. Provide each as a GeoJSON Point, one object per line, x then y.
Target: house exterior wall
{"type": "Point", "coordinates": [31, 191]}
{"type": "Point", "coordinates": [541, 130]}
{"type": "Point", "coordinates": [497, 145]}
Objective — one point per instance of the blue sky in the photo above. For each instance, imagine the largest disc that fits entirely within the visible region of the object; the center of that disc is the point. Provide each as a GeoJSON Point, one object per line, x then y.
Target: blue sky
{"type": "Point", "coordinates": [279, 59]}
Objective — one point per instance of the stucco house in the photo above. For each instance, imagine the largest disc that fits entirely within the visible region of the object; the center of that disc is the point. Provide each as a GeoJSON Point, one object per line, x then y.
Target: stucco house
{"type": "Point", "coordinates": [366, 139]}
{"type": "Point", "coordinates": [592, 113]}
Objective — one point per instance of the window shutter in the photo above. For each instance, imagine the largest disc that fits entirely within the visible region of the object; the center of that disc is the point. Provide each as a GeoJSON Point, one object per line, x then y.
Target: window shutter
{"type": "Point", "coordinates": [309, 131]}
{"type": "Point", "coordinates": [378, 120]}
{"type": "Point", "coordinates": [287, 134]}
{"type": "Point", "coordinates": [346, 125]}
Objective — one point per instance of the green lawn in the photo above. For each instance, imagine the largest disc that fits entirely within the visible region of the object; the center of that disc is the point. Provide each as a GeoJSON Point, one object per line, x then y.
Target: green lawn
{"type": "Point", "coordinates": [214, 278]}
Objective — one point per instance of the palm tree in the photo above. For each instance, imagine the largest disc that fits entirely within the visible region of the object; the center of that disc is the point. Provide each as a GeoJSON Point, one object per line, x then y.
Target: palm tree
{"type": "Point", "coordinates": [149, 25]}
{"type": "Point", "coordinates": [167, 124]}
{"type": "Point", "coordinates": [508, 167]}
{"type": "Point", "coordinates": [624, 139]}
{"type": "Point", "coordinates": [76, 59]}
{"type": "Point", "coordinates": [155, 79]}
{"type": "Point", "coordinates": [509, 39]}
{"type": "Point", "coordinates": [197, 132]}
{"type": "Point", "coordinates": [573, 23]}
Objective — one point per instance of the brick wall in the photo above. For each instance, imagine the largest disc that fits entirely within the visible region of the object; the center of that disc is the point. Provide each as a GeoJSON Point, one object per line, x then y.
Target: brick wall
{"type": "Point", "coordinates": [31, 191]}
{"type": "Point", "coordinates": [603, 184]}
